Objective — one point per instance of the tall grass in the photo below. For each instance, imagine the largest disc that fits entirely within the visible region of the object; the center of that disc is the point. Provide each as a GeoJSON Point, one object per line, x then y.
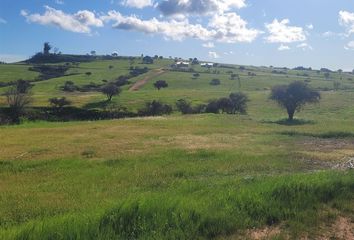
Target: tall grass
{"type": "Point", "coordinates": [227, 209]}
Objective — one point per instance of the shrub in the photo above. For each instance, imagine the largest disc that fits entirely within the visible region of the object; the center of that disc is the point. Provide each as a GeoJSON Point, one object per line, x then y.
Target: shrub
{"type": "Point", "coordinates": [69, 86]}
{"type": "Point", "coordinates": [215, 82]}
{"type": "Point", "coordinates": [59, 103]}
{"type": "Point", "coordinates": [184, 107]}
{"type": "Point", "coordinates": [155, 108]}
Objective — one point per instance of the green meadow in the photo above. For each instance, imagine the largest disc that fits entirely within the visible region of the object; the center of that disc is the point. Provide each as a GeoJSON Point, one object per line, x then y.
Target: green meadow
{"type": "Point", "coordinates": [203, 176]}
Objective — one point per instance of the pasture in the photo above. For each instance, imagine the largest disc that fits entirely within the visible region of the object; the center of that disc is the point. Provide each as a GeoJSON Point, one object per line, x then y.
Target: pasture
{"type": "Point", "coordinates": [203, 176]}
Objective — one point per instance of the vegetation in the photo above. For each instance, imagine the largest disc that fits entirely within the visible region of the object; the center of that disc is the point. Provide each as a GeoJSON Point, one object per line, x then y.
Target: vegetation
{"type": "Point", "coordinates": [184, 173]}
{"type": "Point", "coordinates": [294, 96]}
{"type": "Point", "coordinates": [110, 90]}
{"type": "Point", "coordinates": [59, 103]}
{"type": "Point", "coordinates": [160, 84]}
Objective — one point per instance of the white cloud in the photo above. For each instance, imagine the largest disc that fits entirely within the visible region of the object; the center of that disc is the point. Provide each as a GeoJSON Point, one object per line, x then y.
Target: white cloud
{"type": "Point", "coordinates": [80, 22]}
{"type": "Point", "coordinates": [228, 27]}
{"type": "Point", "coordinates": [349, 46]}
{"type": "Point", "coordinates": [208, 45]}
{"type": "Point", "coordinates": [137, 3]}
{"type": "Point", "coordinates": [59, 2]}
{"type": "Point", "coordinates": [310, 26]}
{"type": "Point", "coordinates": [346, 19]}
{"type": "Point", "coordinates": [198, 7]}
{"type": "Point", "coordinates": [304, 46]}
{"type": "Point", "coordinates": [231, 28]}
{"type": "Point", "coordinates": [2, 21]}
{"type": "Point", "coordinates": [213, 55]}
{"type": "Point", "coordinates": [283, 47]}
{"type": "Point", "coordinates": [281, 32]}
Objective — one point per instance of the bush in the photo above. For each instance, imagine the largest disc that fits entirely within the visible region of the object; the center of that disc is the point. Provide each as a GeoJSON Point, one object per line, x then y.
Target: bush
{"type": "Point", "coordinates": [69, 86]}
{"type": "Point", "coordinates": [49, 71]}
{"type": "Point", "coordinates": [59, 103]}
{"type": "Point", "coordinates": [215, 82]}
{"type": "Point", "coordinates": [212, 107]}
{"type": "Point", "coordinates": [155, 108]}
{"type": "Point", "coordinates": [184, 107]}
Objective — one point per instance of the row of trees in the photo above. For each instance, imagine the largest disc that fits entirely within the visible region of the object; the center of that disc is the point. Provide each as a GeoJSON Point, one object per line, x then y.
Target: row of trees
{"type": "Point", "coordinates": [291, 97]}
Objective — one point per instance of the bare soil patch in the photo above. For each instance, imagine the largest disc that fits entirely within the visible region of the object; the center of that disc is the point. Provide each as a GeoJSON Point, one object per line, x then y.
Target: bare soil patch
{"type": "Point", "coordinates": [140, 83]}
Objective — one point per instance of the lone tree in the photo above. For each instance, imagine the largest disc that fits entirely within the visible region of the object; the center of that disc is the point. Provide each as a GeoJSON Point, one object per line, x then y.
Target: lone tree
{"type": "Point", "coordinates": [59, 103]}
{"type": "Point", "coordinates": [110, 90]}
{"type": "Point", "coordinates": [46, 48]}
{"type": "Point", "coordinates": [294, 96]}
{"type": "Point", "coordinates": [160, 84]}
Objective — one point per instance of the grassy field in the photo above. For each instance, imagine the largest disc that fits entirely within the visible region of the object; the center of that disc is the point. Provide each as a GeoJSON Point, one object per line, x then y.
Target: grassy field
{"type": "Point", "coordinates": [181, 177]}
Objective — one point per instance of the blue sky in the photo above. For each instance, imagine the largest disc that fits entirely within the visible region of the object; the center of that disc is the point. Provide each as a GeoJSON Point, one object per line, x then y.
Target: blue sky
{"type": "Point", "coordinates": [316, 33]}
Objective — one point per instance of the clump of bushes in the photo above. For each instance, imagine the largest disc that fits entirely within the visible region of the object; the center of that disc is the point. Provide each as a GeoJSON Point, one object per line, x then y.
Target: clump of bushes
{"type": "Point", "coordinates": [155, 108]}
{"type": "Point", "coordinates": [59, 103]}
{"type": "Point", "coordinates": [235, 103]}
{"type": "Point", "coordinates": [49, 71]}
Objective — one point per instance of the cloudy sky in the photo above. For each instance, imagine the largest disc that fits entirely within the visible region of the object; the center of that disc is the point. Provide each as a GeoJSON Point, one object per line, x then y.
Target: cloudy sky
{"type": "Point", "coordinates": [316, 33]}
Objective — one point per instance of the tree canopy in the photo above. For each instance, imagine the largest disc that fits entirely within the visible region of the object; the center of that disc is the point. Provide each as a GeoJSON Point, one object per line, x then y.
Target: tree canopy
{"type": "Point", "coordinates": [294, 96]}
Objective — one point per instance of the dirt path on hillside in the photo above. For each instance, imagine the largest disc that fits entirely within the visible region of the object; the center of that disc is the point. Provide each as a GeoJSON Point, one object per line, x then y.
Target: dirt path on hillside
{"type": "Point", "coordinates": [140, 83]}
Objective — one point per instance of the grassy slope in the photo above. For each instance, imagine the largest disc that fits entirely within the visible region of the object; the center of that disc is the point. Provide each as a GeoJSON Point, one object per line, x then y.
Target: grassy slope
{"type": "Point", "coordinates": [182, 177]}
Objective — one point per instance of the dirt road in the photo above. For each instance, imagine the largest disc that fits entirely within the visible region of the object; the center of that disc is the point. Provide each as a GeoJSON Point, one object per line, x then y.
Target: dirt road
{"type": "Point", "coordinates": [140, 83]}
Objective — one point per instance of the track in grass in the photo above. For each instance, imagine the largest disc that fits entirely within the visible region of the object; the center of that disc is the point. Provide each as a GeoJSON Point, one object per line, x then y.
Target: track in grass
{"type": "Point", "coordinates": [139, 84]}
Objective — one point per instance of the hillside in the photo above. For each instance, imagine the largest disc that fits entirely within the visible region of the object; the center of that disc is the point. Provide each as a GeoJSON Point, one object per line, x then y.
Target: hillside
{"type": "Point", "coordinates": [200, 176]}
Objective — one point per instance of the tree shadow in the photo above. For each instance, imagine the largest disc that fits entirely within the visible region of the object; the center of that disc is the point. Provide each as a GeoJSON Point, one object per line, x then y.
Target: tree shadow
{"type": "Point", "coordinates": [287, 122]}
{"type": "Point", "coordinates": [93, 105]}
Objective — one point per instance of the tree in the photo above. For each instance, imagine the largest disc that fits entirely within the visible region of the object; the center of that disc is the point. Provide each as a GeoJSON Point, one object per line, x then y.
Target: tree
{"type": "Point", "coordinates": [88, 73]}
{"type": "Point", "coordinates": [294, 96]}
{"type": "Point", "coordinates": [17, 102]}
{"type": "Point", "coordinates": [195, 61]}
{"type": "Point", "coordinates": [93, 53]}
{"type": "Point", "coordinates": [46, 48]}
{"type": "Point", "coordinates": [238, 103]}
{"type": "Point", "coordinates": [59, 103]}
{"type": "Point", "coordinates": [110, 90]}
{"type": "Point", "coordinates": [160, 84]}
{"type": "Point", "coordinates": [148, 60]}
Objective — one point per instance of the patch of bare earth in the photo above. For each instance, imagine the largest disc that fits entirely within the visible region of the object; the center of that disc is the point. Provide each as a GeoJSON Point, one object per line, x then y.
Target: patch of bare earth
{"type": "Point", "coordinates": [256, 234]}
{"type": "Point", "coordinates": [140, 83]}
{"type": "Point", "coordinates": [341, 229]}
{"type": "Point", "coordinates": [264, 233]}
{"type": "Point", "coordinates": [331, 153]}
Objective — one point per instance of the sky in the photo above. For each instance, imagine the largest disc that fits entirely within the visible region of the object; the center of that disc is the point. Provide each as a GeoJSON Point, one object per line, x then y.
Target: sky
{"type": "Point", "coordinates": [310, 33]}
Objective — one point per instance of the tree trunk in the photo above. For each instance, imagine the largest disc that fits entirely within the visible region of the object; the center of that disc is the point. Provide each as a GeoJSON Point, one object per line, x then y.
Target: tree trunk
{"type": "Point", "coordinates": [291, 114]}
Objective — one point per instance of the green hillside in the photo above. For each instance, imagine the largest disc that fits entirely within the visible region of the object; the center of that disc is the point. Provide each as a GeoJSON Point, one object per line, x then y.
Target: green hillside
{"type": "Point", "coordinates": [200, 176]}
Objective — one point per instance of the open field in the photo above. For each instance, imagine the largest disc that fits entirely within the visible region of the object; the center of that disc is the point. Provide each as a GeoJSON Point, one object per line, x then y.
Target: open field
{"type": "Point", "coordinates": [181, 177]}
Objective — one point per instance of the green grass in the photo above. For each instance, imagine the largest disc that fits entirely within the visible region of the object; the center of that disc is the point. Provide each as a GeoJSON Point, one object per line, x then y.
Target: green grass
{"type": "Point", "coordinates": [177, 177]}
